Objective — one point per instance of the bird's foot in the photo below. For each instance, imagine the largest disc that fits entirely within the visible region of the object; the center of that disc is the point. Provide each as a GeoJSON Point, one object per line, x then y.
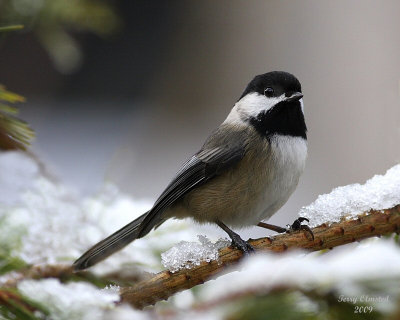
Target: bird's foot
{"type": "Point", "coordinates": [242, 245]}
{"type": "Point", "coordinates": [237, 241]}
{"type": "Point", "coordinates": [297, 226]}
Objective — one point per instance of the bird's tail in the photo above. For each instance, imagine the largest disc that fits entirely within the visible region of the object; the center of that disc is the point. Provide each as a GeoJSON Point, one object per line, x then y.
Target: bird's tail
{"type": "Point", "coordinates": [111, 244]}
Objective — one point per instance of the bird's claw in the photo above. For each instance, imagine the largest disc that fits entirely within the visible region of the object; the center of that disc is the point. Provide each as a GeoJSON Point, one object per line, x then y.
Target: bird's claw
{"type": "Point", "coordinates": [242, 245]}
{"type": "Point", "coordinates": [297, 226]}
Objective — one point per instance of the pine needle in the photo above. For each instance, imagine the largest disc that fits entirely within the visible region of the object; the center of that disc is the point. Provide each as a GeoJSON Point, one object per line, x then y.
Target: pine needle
{"type": "Point", "coordinates": [14, 132]}
{"type": "Point", "coordinates": [11, 28]}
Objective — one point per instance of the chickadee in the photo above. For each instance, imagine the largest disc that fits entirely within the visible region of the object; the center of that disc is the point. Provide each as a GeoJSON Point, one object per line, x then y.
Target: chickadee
{"type": "Point", "coordinates": [245, 171]}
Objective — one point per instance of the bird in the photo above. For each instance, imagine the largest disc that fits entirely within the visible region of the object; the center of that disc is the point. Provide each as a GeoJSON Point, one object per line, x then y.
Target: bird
{"type": "Point", "coordinates": [245, 171]}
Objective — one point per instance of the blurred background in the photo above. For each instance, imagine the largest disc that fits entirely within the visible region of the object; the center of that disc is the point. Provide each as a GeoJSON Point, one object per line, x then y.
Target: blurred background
{"type": "Point", "coordinates": [125, 91]}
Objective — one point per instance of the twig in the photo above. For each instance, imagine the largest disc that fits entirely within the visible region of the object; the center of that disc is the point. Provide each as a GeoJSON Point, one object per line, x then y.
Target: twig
{"type": "Point", "coordinates": [164, 284]}
{"type": "Point", "coordinates": [59, 271]}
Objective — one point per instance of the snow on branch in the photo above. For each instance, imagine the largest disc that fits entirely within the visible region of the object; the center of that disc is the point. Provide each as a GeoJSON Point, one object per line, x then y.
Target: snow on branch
{"type": "Point", "coordinates": [164, 284]}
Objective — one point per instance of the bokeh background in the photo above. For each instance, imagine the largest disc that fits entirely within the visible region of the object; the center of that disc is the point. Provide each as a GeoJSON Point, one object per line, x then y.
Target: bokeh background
{"type": "Point", "coordinates": [125, 91]}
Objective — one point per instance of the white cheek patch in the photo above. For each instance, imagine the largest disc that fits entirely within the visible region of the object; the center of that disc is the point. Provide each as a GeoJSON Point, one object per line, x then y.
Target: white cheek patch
{"type": "Point", "coordinates": [250, 106]}
{"type": "Point", "coordinates": [253, 103]}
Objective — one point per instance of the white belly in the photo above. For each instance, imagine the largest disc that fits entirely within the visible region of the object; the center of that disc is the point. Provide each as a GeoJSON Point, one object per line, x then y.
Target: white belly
{"type": "Point", "coordinates": [289, 157]}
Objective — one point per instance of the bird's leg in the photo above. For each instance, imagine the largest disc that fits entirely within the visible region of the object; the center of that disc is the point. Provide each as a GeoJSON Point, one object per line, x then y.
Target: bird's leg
{"type": "Point", "coordinates": [295, 226]}
{"type": "Point", "coordinates": [271, 227]}
{"type": "Point", "coordinates": [237, 241]}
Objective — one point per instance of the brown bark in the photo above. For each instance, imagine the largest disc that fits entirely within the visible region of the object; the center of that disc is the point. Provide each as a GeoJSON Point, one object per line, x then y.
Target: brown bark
{"type": "Point", "coordinates": [164, 284]}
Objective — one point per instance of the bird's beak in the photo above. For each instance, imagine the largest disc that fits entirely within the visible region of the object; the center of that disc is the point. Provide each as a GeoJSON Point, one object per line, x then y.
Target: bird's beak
{"type": "Point", "coordinates": [294, 97]}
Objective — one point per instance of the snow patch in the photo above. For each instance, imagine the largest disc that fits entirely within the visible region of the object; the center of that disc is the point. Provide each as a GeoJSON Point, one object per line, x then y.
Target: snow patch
{"type": "Point", "coordinates": [112, 288]}
{"type": "Point", "coordinates": [189, 254]}
{"type": "Point", "coordinates": [378, 193]}
{"type": "Point", "coordinates": [376, 259]}
{"type": "Point", "coordinates": [75, 300]}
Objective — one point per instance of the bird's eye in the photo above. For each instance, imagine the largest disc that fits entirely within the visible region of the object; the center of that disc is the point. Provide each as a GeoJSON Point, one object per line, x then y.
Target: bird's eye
{"type": "Point", "coordinates": [269, 92]}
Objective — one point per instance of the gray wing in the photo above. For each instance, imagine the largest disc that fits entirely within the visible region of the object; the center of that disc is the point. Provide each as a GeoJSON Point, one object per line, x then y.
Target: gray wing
{"type": "Point", "coordinates": [203, 166]}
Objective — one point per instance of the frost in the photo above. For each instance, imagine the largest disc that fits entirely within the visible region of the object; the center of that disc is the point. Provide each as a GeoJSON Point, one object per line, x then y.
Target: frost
{"type": "Point", "coordinates": [378, 193]}
{"type": "Point", "coordinates": [74, 300]}
{"type": "Point", "coordinates": [188, 254]}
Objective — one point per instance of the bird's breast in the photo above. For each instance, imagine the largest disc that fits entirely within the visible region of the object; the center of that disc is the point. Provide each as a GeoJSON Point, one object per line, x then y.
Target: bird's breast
{"type": "Point", "coordinates": [286, 164]}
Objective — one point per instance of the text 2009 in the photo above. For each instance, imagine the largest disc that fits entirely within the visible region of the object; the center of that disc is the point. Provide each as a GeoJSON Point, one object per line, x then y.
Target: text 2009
{"type": "Point", "coordinates": [363, 309]}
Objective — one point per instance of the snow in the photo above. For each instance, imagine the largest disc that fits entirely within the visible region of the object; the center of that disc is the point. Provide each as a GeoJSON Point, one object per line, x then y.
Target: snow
{"type": "Point", "coordinates": [75, 300]}
{"type": "Point", "coordinates": [376, 259]}
{"type": "Point", "coordinates": [344, 272]}
{"type": "Point", "coordinates": [112, 288]}
{"type": "Point", "coordinates": [58, 227]}
{"type": "Point", "coordinates": [378, 193]}
{"type": "Point", "coordinates": [79, 300]}
{"type": "Point", "coordinates": [189, 254]}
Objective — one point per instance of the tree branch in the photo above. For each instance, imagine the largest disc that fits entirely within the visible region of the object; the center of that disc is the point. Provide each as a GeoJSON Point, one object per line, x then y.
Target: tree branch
{"type": "Point", "coordinates": [164, 284]}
